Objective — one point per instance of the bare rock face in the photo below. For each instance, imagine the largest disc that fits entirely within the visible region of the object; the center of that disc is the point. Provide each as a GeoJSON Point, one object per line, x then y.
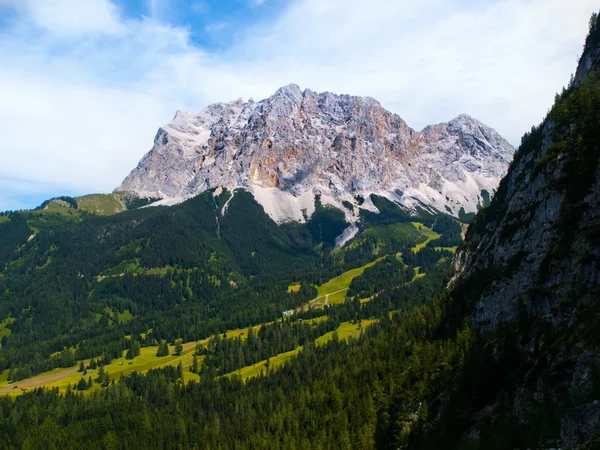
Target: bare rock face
{"type": "Point", "coordinates": [532, 238]}
{"type": "Point", "coordinates": [580, 424]}
{"type": "Point", "coordinates": [297, 144]}
{"type": "Point", "coordinates": [530, 262]}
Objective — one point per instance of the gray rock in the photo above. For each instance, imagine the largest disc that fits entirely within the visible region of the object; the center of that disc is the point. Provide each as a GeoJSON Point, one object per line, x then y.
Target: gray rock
{"type": "Point", "coordinates": [300, 143]}
{"type": "Point", "coordinates": [580, 424]}
{"type": "Point", "coordinates": [534, 255]}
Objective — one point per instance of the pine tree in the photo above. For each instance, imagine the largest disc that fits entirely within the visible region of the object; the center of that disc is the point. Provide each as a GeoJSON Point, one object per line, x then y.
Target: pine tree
{"type": "Point", "coordinates": [81, 367]}
{"type": "Point", "coordinates": [89, 383]}
{"type": "Point", "coordinates": [180, 371]}
{"type": "Point", "coordinates": [106, 380]}
{"type": "Point", "coordinates": [100, 378]}
{"type": "Point", "coordinates": [133, 350]}
{"type": "Point", "coordinates": [194, 367]}
{"type": "Point", "coordinates": [82, 385]}
{"type": "Point", "coordinates": [163, 349]}
{"type": "Point", "coordinates": [178, 348]}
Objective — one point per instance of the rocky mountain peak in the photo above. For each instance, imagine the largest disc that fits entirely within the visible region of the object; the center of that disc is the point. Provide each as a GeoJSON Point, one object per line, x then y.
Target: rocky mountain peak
{"type": "Point", "coordinates": [291, 91]}
{"type": "Point", "coordinates": [294, 145]}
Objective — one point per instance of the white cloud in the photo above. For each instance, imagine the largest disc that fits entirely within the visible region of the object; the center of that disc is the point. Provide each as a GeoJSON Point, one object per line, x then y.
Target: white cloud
{"type": "Point", "coordinates": [81, 112]}
{"type": "Point", "coordinates": [431, 60]}
{"type": "Point", "coordinates": [71, 17]}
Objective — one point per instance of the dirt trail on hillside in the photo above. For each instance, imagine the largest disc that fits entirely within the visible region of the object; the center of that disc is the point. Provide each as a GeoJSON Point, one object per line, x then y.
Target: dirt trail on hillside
{"type": "Point", "coordinates": [38, 381]}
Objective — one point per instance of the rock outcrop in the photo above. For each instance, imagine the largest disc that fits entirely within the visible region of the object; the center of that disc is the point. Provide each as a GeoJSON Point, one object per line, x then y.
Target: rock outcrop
{"type": "Point", "coordinates": [530, 265]}
{"type": "Point", "coordinates": [297, 144]}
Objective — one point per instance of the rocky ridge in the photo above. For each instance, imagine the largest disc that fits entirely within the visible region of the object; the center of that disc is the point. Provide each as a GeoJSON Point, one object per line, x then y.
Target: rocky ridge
{"type": "Point", "coordinates": [530, 261]}
{"type": "Point", "coordinates": [297, 144]}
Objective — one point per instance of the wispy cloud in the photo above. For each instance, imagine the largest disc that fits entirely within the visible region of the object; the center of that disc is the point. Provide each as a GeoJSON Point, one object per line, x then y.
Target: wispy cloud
{"type": "Point", "coordinates": [70, 17]}
{"type": "Point", "coordinates": [84, 88]}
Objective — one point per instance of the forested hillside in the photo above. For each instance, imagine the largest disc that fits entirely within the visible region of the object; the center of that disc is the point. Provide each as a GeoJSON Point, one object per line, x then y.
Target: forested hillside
{"type": "Point", "coordinates": [79, 286]}
{"type": "Point", "coordinates": [390, 342]}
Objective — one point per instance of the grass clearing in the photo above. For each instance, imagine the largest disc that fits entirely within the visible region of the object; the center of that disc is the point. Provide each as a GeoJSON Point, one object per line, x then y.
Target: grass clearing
{"type": "Point", "coordinates": [429, 234]}
{"type": "Point", "coordinates": [59, 206]}
{"type": "Point", "coordinates": [61, 378]}
{"type": "Point", "coordinates": [316, 320]}
{"type": "Point", "coordinates": [240, 332]}
{"type": "Point", "coordinates": [294, 287]}
{"type": "Point", "coordinates": [4, 330]}
{"type": "Point", "coordinates": [418, 274]}
{"type": "Point", "coordinates": [100, 204]}
{"type": "Point", "coordinates": [344, 331]}
{"type": "Point", "coordinates": [449, 249]}
{"type": "Point", "coordinates": [396, 231]}
{"type": "Point", "coordinates": [335, 289]}
{"type": "Point", "coordinates": [256, 369]}
{"type": "Point", "coordinates": [368, 299]}
{"type": "Point", "coordinates": [125, 316]}
{"type": "Point", "coordinates": [147, 360]}
{"type": "Point", "coordinates": [109, 313]}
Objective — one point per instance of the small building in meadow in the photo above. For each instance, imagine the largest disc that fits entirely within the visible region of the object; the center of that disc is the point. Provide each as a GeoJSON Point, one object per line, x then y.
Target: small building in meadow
{"type": "Point", "coordinates": [289, 312]}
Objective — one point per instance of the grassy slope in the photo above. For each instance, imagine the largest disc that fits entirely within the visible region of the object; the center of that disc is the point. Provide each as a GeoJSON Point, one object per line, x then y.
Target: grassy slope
{"type": "Point", "coordinates": [315, 320]}
{"type": "Point", "coordinates": [336, 287]}
{"type": "Point", "coordinates": [147, 360]}
{"type": "Point", "coordinates": [427, 232]}
{"type": "Point", "coordinates": [59, 206]}
{"type": "Point", "coordinates": [396, 231]}
{"type": "Point", "coordinates": [450, 249]}
{"type": "Point", "coordinates": [345, 330]}
{"type": "Point", "coordinates": [241, 332]}
{"type": "Point", "coordinates": [256, 369]}
{"type": "Point", "coordinates": [100, 204]}
{"type": "Point", "coordinates": [4, 331]}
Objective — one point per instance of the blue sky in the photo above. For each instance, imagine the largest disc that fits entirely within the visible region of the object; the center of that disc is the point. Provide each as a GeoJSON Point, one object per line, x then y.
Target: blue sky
{"type": "Point", "coordinates": [84, 84]}
{"type": "Point", "coordinates": [212, 24]}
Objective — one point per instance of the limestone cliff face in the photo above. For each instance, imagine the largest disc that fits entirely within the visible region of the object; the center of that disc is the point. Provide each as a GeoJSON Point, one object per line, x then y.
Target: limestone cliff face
{"type": "Point", "coordinates": [544, 216]}
{"type": "Point", "coordinates": [296, 144]}
{"type": "Point", "coordinates": [533, 257]}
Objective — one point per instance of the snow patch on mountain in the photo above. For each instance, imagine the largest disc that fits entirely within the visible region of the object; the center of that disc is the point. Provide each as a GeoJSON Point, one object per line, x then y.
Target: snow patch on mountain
{"type": "Point", "coordinates": [282, 206]}
{"type": "Point", "coordinates": [295, 145]}
{"type": "Point", "coordinates": [346, 236]}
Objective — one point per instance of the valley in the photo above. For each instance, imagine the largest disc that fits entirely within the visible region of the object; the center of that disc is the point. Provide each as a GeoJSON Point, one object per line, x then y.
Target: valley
{"type": "Point", "coordinates": [330, 293]}
{"type": "Point", "coordinates": [309, 272]}
{"type": "Point", "coordinates": [312, 303]}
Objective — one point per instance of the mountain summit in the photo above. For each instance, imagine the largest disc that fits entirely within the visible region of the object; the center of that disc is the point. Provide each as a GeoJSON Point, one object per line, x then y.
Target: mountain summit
{"type": "Point", "coordinates": [296, 144]}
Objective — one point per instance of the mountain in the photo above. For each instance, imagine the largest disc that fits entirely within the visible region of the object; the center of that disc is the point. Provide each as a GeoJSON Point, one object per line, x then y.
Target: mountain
{"type": "Point", "coordinates": [528, 276]}
{"type": "Point", "coordinates": [207, 325]}
{"type": "Point", "coordinates": [297, 144]}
